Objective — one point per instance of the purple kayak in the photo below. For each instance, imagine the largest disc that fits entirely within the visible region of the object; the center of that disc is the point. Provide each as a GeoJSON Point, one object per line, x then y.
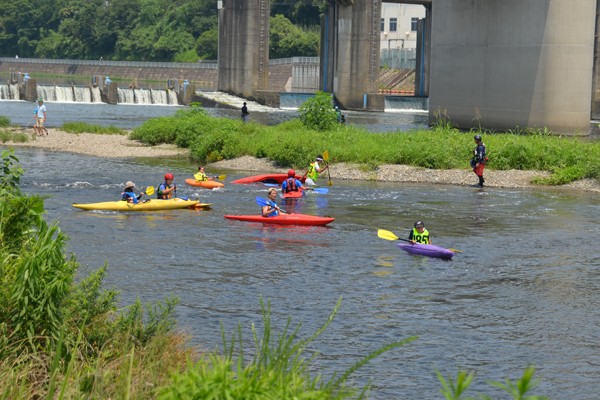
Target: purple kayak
{"type": "Point", "coordinates": [428, 250]}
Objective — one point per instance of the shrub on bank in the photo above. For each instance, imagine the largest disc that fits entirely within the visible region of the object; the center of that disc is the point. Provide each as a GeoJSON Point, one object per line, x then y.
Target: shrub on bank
{"type": "Point", "coordinates": [291, 144]}
{"type": "Point", "coordinates": [4, 121]}
{"type": "Point", "coordinates": [84, 127]}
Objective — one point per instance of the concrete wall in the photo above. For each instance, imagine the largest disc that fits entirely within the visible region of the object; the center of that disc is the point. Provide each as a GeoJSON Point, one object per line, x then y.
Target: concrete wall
{"type": "Point", "coordinates": [244, 47]}
{"type": "Point", "coordinates": [202, 78]}
{"type": "Point", "coordinates": [356, 52]}
{"type": "Point", "coordinates": [305, 77]}
{"type": "Point", "coordinates": [516, 63]}
{"type": "Point", "coordinates": [596, 74]}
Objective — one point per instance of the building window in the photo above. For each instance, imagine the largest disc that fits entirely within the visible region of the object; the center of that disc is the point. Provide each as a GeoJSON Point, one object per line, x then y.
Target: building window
{"type": "Point", "coordinates": [393, 24]}
{"type": "Point", "coordinates": [413, 24]}
{"type": "Point", "coordinates": [382, 24]}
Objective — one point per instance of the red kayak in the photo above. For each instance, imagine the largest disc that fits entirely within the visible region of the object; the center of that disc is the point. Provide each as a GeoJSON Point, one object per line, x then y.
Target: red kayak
{"type": "Point", "coordinates": [269, 178]}
{"type": "Point", "coordinates": [285, 219]}
{"type": "Point", "coordinates": [293, 195]}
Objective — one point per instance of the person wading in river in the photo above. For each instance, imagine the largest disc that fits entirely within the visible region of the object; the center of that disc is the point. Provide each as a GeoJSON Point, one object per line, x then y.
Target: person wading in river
{"type": "Point", "coordinates": [314, 170]}
{"type": "Point", "coordinates": [479, 159]}
{"type": "Point", "coordinates": [245, 113]}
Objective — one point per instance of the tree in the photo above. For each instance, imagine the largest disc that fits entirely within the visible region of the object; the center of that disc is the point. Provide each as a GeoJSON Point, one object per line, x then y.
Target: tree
{"type": "Point", "coordinates": [288, 40]}
{"type": "Point", "coordinates": [207, 45]}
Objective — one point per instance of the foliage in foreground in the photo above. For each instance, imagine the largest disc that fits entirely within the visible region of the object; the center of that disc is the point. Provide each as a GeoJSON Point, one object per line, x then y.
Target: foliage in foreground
{"type": "Point", "coordinates": [84, 127]}
{"type": "Point", "coordinates": [441, 147]}
{"type": "Point", "coordinates": [4, 121]}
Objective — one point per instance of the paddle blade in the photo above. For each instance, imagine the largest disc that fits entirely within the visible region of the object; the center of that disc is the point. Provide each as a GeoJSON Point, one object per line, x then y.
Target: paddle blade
{"type": "Point", "coordinates": [271, 184]}
{"type": "Point", "coordinates": [326, 156]}
{"type": "Point", "coordinates": [261, 202]}
{"type": "Point", "coordinates": [150, 191]}
{"type": "Point", "coordinates": [456, 251]}
{"type": "Point", "coordinates": [387, 235]}
{"type": "Point", "coordinates": [222, 177]}
{"type": "Point", "coordinates": [330, 183]}
{"type": "Point", "coordinates": [321, 190]}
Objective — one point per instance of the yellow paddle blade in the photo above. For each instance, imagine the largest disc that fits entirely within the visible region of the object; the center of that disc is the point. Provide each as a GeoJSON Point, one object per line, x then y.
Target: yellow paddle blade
{"type": "Point", "coordinates": [387, 235]}
{"type": "Point", "coordinates": [326, 156]}
{"type": "Point", "coordinates": [330, 183]}
{"type": "Point", "coordinates": [456, 251]}
{"type": "Point", "coordinates": [150, 191]}
{"type": "Point", "coordinates": [222, 177]}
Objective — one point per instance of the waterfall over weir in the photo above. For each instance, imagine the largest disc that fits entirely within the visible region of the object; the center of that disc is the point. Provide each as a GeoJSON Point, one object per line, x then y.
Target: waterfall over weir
{"type": "Point", "coordinates": [147, 96]}
{"type": "Point", "coordinates": [9, 92]}
{"type": "Point", "coordinates": [68, 94]}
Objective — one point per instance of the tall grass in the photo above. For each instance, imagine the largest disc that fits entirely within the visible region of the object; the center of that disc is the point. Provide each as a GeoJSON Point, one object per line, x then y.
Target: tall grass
{"type": "Point", "coordinates": [17, 137]}
{"type": "Point", "coordinates": [441, 147]}
{"type": "Point", "coordinates": [84, 127]}
{"type": "Point", "coordinates": [4, 121]}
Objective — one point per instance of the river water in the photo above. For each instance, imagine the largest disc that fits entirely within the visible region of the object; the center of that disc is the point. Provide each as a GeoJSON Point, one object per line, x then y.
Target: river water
{"type": "Point", "coordinates": [524, 290]}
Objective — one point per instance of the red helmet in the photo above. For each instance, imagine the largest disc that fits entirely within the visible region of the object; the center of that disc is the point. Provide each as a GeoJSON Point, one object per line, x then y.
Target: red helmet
{"type": "Point", "coordinates": [291, 172]}
{"type": "Point", "coordinates": [169, 176]}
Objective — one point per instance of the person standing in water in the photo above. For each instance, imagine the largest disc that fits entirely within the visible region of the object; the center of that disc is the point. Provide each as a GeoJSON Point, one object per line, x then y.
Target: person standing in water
{"type": "Point", "coordinates": [245, 113]}
{"type": "Point", "coordinates": [314, 170]}
{"type": "Point", "coordinates": [479, 159]}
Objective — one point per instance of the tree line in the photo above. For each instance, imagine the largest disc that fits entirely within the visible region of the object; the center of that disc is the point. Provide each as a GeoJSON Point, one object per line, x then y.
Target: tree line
{"type": "Point", "coordinates": [143, 30]}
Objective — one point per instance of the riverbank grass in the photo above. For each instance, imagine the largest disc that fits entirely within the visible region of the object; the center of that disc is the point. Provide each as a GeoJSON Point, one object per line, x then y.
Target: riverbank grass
{"type": "Point", "coordinates": [292, 144]}
{"type": "Point", "coordinates": [84, 127]}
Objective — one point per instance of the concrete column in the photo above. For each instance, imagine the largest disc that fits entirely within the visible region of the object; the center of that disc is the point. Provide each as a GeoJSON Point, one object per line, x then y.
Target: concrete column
{"type": "Point", "coordinates": [508, 63]}
{"type": "Point", "coordinates": [97, 81]}
{"type": "Point", "coordinates": [109, 92]}
{"type": "Point", "coordinates": [185, 93]}
{"type": "Point", "coordinates": [327, 57]}
{"type": "Point", "coordinates": [30, 90]}
{"type": "Point", "coordinates": [356, 72]}
{"type": "Point", "coordinates": [244, 47]}
{"type": "Point", "coordinates": [423, 55]}
{"type": "Point", "coordinates": [596, 72]}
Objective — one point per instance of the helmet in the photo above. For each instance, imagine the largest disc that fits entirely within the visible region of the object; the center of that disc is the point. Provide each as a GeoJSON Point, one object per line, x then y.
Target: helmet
{"type": "Point", "coordinates": [419, 223]}
{"type": "Point", "coordinates": [477, 137]}
{"type": "Point", "coordinates": [168, 176]}
{"type": "Point", "coordinates": [319, 158]}
{"type": "Point", "coordinates": [291, 172]}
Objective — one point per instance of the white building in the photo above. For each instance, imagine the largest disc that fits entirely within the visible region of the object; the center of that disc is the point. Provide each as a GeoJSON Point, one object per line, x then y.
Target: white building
{"type": "Point", "coordinates": [399, 25]}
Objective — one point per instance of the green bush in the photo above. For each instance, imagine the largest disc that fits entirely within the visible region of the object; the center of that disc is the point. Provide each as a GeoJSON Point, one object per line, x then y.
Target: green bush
{"type": "Point", "coordinates": [84, 127]}
{"type": "Point", "coordinates": [4, 121]}
{"type": "Point", "coordinates": [317, 113]}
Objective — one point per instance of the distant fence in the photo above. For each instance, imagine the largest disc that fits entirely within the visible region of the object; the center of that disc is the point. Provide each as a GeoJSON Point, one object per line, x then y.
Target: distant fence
{"type": "Point", "coordinates": [398, 58]}
{"type": "Point", "coordinates": [203, 64]}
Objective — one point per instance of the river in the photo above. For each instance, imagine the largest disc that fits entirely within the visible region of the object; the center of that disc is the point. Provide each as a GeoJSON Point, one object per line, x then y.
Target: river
{"type": "Point", "coordinates": [524, 290]}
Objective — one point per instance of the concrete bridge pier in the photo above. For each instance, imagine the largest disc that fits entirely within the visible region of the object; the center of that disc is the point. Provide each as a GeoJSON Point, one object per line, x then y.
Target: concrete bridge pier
{"type": "Point", "coordinates": [244, 47]}
{"type": "Point", "coordinates": [350, 54]}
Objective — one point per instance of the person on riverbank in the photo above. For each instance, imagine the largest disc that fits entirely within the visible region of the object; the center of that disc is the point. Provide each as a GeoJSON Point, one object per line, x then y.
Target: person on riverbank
{"type": "Point", "coordinates": [38, 128]}
{"type": "Point", "coordinates": [314, 170]}
{"type": "Point", "coordinates": [272, 210]}
{"type": "Point", "coordinates": [419, 234]}
{"type": "Point", "coordinates": [291, 184]}
{"type": "Point", "coordinates": [245, 113]}
{"type": "Point", "coordinates": [201, 176]}
{"type": "Point", "coordinates": [338, 114]}
{"type": "Point", "coordinates": [129, 194]}
{"type": "Point", "coordinates": [35, 125]}
{"type": "Point", "coordinates": [479, 159]}
{"type": "Point", "coordinates": [166, 190]}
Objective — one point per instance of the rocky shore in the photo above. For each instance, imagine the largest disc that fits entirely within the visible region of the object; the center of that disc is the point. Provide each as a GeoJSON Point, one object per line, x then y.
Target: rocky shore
{"type": "Point", "coordinates": [404, 173]}
{"type": "Point", "coordinates": [110, 146]}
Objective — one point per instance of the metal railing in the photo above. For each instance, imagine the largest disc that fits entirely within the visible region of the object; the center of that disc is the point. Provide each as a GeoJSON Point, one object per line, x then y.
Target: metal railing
{"type": "Point", "coordinates": [202, 64]}
{"type": "Point", "coordinates": [398, 58]}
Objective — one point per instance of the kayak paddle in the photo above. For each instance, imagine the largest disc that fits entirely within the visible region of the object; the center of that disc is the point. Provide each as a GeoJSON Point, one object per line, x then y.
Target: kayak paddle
{"type": "Point", "coordinates": [222, 177]}
{"type": "Point", "coordinates": [149, 191]}
{"type": "Point", "coordinates": [271, 184]}
{"type": "Point", "coordinates": [326, 159]}
{"type": "Point", "coordinates": [262, 202]}
{"type": "Point", "coordinates": [320, 190]}
{"type": "Point", "coordinates": [387, 235]}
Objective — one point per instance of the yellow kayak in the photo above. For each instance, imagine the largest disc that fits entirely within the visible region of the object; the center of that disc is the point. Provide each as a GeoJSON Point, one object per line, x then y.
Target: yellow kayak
{"type": "Point", "coordinates": [150, 205]}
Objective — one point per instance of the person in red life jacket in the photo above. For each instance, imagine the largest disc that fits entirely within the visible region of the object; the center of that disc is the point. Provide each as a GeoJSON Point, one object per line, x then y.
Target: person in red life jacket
{"type": "Point", "coordinates": [479, 159]}
{"type": "Point", "coordinates": [129, 193]}
{"type": "Point", "coordinates": [419, 234]}
{"type": "Point", "coordinates": [165, 190]}
{"type": "Point", "coordinates": [272, 210]}
{"type": "Point", "coordinates": [291, 184]}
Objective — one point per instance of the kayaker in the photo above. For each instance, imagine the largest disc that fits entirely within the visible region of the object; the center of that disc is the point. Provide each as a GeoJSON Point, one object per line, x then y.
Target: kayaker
{"type": "Point", "coordinates": [291, 184]}
{"type": "Point", "coordinates": [165, 190]}
{"type": "Point", "coordinates": [201, 176]}
{"type": "Point", "coordinates": [314, 170]}
{"type": "Point", "coordinates": [479, 159]}
{"type": "Point", "coordinates": [129, 193]}
{"type": "Point", "coordinates": [272, 210]}
{"type": "Point", "coordinates": [419, 234]}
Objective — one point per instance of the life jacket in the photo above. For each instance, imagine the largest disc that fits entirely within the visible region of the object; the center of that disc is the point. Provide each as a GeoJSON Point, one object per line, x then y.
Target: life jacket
{"type": "Point", "coordinates": [200, 177]}
{"type": "Point", "coordinates": [273, 205]}
{"type": "Point", "coordinates": [291, 185]}
{"type": "Point", "coordinates": [483, 158]}
{"type": "Point", "coordinates": [129, 197]}
{"type": "Point", "coordinates": [422, 238]}
{"type": "Point", "coordinates": [160, 195]}
{"type": "Point", "coordinates": [312, 171]}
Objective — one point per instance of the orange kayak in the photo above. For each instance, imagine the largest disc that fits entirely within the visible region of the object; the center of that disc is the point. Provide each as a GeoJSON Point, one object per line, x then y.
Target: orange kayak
{"type": "Point", "coordinates": [204, 184]}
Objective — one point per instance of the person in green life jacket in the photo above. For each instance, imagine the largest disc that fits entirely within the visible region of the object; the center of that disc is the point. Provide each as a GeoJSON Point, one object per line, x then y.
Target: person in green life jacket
{"type": "Point", "coordinates": [129, 193]}
{"type": "Point", "coordinates": [338, 114]}
{"type": "Point", "coordinates": [419, 234]}
{"type": "Point", "coordinates": [314, 170]}
{"type": "Point", "coordinates": [166, 190]}
{"type": "Point", "coordinates": [272, 210]}
{"type": "Point", "coordinates": [201, 176]}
